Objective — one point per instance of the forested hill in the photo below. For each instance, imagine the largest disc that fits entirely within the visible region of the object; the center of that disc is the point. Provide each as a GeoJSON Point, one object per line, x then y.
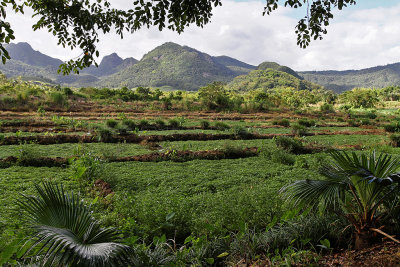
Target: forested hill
{"type": "Point", "coordinates": [172, 66]}
{"type": "Point", "coordinates": [375, 77]}
{"type": "Point", "coordinates": [34, 65]}
{"type": "Point", "coordinates": [264, 79]}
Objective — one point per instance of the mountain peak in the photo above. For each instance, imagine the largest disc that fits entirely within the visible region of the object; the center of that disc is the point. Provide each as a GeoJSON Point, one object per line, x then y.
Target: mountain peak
{"type": "Point", "coordinates": [275, 66]}
{"type": "Point", "coordinates": [24, 52]}
{"type": "Point", "coordinates": [111, 61]}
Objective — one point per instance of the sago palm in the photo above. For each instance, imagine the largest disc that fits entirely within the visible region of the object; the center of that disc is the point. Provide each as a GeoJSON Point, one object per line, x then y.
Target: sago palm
{"type": "Point", "coordinates": [357, 187]}
{"type": "Point", "coordinates": [66, 234]}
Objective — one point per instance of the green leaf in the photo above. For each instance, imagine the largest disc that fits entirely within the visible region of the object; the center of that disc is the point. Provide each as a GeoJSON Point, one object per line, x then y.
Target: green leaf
{"type": "Point", "coordinates": [223, 254]}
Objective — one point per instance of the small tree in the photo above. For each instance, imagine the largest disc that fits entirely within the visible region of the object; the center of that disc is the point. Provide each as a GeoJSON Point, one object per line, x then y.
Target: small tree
{"type": "Point", "coordinates": [214, 96]}
{"type": "Point", "coordinates": [66, 233]}
{"type": "Point", "coordinates": [363, 189]}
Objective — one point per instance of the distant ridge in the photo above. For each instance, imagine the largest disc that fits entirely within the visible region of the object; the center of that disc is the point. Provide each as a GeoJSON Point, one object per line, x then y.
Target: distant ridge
{"type": "Point", "coordinates": [173, 66]}
{"type": "Point", "coordinates": [374, 77]}
{"type": "Point", "coordinates": [24, 52]}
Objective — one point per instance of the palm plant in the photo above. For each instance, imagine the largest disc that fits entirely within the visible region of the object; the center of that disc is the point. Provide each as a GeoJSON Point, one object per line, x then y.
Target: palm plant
{"type": "Point", "coordinates": [66, 234]}
{"type": "Point", "coordinates": [364, 189]}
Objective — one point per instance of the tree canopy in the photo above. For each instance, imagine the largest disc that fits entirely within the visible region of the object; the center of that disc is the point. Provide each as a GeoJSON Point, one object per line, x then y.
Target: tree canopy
{"type": "Point", "coordinates": [78, 23]}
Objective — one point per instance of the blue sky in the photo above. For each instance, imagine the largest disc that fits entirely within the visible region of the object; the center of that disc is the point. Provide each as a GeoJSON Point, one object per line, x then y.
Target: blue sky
{"type": "Point", "coordinates": [360, 36]}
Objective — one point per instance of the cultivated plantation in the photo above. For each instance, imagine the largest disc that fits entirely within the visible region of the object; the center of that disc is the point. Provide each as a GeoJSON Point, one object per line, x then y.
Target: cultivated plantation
{"type": "Point", "coordinates": [207, 178]}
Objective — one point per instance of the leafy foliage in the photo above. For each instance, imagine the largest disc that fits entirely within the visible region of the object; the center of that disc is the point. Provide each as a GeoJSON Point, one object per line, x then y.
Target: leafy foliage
{"type": "Point", "coordinates": [360, 188]}
{"type": "Point", "coordinates": [66, 232]}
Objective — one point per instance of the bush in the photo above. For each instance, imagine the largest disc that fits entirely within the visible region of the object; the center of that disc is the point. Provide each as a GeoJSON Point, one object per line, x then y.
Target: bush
{"type": "Point", "coordinates": [327, 108]}
{"type": "Point", "coordinates": [282, 122]}
{"type": "Point", "coordinates": [27, 155]}
{"type": "Point", "coordinates": [395, 140]}
{"type": "Point", "coordinates": [306, 122]}
{"type": "Point", "coordinates": [68, 91]}
{"type": "Point", "coordinates": [173, 123]}
{"type": "Point", "coordinates": [340, 119]}
{"type": "Point", "coordinates": [112, 123]}
{"type": "Point", "coordinates": [123, 130]}
{"type": "Point", "coordinates": [160, 123]}
{"type": "Point", "coordinates": [104, 134]}
{"type": "Point", "coordinates": [222, 126]}
{"type": "Point", "coordinates": [143, 123]}
{"type": "Point", "coordinates": [392, 128]}
{"type": "Point", "coordinates": [289, 144]}
{"type": "Point", "coordinates": [204, 124]}
{"type": "Point", "coordinates": [282, 157]}
{"type": "Point", "coordinates": [299, 130]}
{"type": "Point", "coordinates": [241, 132]}
{"type": "Point", "coordinates": [365, 122]}
{"type": "Point", "coordinates": [87, 168]}
{"type": "Point", "coordinates": [58, 99]}
{"type": "Point", "coordinates": [353, 123]}
{"type": "Point", "coordinates": [129, 123]}
{"type": "Point", "coordinates": [371, 115]}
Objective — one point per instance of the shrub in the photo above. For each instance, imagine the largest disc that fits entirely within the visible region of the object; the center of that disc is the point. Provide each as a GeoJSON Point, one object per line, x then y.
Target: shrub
{"type": "Point", "coordinates": [241, 132]}
{"type": "Point", "coordinates": [289, 144]}
{"type": "Point", "coordinates": [306, 122]}
{"type": "Point", "coordinates": [299, 130]}
{"type": "Point", "coordinates": [392, 128]}
{"type": "Point", "coordinates": [123, 130]}
{"type": "Point", "coordinates": [173, 123]}
{"type": "Point", "coordinates": [282, 157]}
{"type": "Point", "coordinates": [353, 123]}
{"type": "Point", "coordinates": [104, 134]}
{"type": "Point", "coordinates": [129, 123]}
{"type": "Point", "coordinates": [371, 115]}
{"type": "Point", "coordinates": [282, 122]}
{"type": "Point", "coordinates": [160, 123]}
{"type": "Point", "coordinates": [143, 124]}
{"type": "Point", "coordinates": [340, 119]}
{"type": "Point", "coordinates": [395, 140]}
{"type": "Point", "coordinates": [301, 163]}
{"type": "Point", "coordinates": [27, 155]}
{"type": "Point", "coordinates": [87, 168]}
{"type": "Point", "coordinates": [365, 122]}
{"type": "Point", "coordinates": [327, 108]}
{"type": "Point", "coordinates": [222, 126]}
{"type": "Point", "coordinates": [58, 99]}
{"type": "Point", "coordinates": [68, 91]}
{"type": "Point", "coordinates": [204, 124]}
{"type": "Point", "coordinates": [112, 123]}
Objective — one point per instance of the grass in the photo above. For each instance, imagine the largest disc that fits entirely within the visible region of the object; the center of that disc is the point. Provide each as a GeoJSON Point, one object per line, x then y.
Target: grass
{"type": "Point", "coordinates": [65, 150]}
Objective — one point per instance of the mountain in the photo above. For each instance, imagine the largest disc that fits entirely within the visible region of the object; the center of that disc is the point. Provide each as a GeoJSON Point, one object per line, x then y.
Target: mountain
{"type": "Point", "coordinates": [265, 78]}
{"type": "Point", "coordinates": [23, 52]}
{"type": "Point", "coordinates": [34, 65]}
{"type": "Point", "coordinates": [109, 65]}
{"type": "Point", "coordinates": [169, 66]}
{"type": "Point", "coordinates": [276, 66]}
{"type": "Point", "coordinates": [235, 65]}
{"type": "Point", "coordinates": [339, 81]}
{"type": "Point", "coordinates": [179, 67]}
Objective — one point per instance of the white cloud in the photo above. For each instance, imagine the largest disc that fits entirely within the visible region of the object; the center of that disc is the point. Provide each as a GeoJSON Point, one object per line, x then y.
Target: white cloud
{"type": "Point", "coordinates": [356, 38]}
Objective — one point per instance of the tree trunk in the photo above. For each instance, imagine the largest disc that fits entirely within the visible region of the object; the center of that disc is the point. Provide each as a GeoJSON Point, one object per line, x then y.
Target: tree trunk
{"type": "Point", "coordinates": [363, 240]}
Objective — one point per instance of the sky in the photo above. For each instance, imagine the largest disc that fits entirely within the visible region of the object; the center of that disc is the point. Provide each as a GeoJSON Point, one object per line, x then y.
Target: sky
{"type": "Point", "coordinates": [360, 36]}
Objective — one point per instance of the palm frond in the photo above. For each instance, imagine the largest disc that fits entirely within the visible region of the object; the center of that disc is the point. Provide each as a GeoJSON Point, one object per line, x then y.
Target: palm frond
{"type": "Point", "coordinates": [67, 234]}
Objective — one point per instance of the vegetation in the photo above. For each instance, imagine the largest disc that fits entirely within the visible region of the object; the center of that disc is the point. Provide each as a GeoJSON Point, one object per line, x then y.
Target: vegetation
{"type": "Point", "coordinates": [63, 227]}
{"type": "Point", "coordinates": [166, 179]}
{"type": "Point", "coordinates": [363, 189]}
